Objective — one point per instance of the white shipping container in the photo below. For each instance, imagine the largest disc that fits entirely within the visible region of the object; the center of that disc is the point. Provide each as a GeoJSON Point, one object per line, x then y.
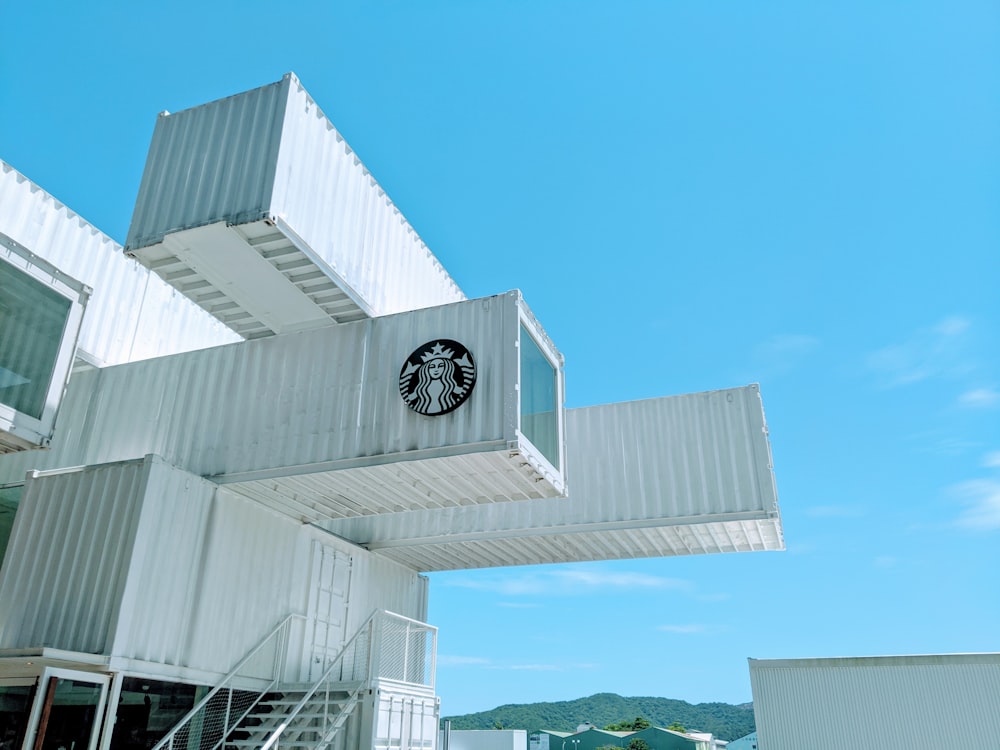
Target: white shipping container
{"type": "Point", "coordinates": [131, 314]}
{"type": "Point", "coordinates": [167, 575]}
{"type": "Point", "coordinates": [680, 475]}
{"type": "Point", "coordinates": [256, 208]}
{"type": "Point", "coordinates": [314, 425]}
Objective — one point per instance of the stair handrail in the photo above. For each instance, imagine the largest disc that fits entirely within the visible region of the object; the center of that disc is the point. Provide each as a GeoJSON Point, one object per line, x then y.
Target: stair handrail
{"type": "Point", "coordinates": [167, 739]}
{"type": "Point", "coordinates": [368, 625]}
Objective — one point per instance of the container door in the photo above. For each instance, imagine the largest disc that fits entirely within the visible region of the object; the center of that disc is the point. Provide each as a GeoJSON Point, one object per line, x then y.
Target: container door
{"type": "Point", "coordinates": [67, 711]}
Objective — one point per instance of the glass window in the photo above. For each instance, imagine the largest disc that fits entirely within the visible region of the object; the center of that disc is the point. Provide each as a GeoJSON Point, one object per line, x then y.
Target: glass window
{"type": "Point", "coordinates": [148, 709]}
{"type": "Point", "coordinates": [539, 417]}
{"type": "Point", "coordinates": [9, 498]}
{"type": "Point", "coordinates": [32, 320]}
{"type": "Point", "coordinates": [15, 702]}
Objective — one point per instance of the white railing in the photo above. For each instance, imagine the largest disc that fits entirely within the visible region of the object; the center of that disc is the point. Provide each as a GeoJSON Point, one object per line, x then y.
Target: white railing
{"type": "Point", "coordinates": [386, 647]}
{"type": "Point", "coordinates": [206, 725]}
{"type": "Point", "coordinates": [405, 650]}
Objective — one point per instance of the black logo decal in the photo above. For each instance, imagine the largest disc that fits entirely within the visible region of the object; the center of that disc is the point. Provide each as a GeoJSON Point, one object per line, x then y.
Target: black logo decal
{"type": "Point", "coordinates": [437, 377]}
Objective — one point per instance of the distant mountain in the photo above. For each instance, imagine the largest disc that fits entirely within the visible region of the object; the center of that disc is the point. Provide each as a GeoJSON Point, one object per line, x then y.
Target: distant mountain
{"type": "Point", "coordinates": [725, 720]}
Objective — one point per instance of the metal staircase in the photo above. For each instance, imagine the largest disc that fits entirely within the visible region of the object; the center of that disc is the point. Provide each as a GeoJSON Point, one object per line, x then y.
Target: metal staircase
{"type": "Point", "coordinates": [299, 715]}
{"type": "Point", "coordinates": [255, 708]}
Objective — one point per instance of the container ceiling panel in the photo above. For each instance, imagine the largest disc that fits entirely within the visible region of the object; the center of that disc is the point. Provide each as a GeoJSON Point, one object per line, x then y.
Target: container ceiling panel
{"type": "Point", "coordinates": [259, 191]}
{"type": "Point", "coordinates": [679, 475]}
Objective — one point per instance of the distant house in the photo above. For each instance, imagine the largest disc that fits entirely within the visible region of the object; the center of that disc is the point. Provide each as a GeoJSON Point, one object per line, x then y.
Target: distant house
{"type": "Point", "coordinates": [656, 738]}
{"type": "Point", "coordinates": [483, 739]}
{"type": "Point", "coordinates": [667, 739]}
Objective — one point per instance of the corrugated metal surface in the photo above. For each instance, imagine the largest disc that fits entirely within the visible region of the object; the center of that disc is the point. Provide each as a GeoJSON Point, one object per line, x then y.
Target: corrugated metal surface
{"type": "Point", "coordinates": [132, 314]}
{"type": "Point", "coordinates": [270, 153]}
{"type": "Point", "coordinates": [485, 739]}
{"type": "Point", "coordinates": [889, 702]}
{"type": "Point", "coordinates": [680, 475]}
{"type": "Point", "coordinates": [66, 565]}
{"type": "Point", "coordinates": [149, 564]}
{"type": "Point", "coordinates": [315, 419]}
{"type": "Point", "coordinates": [403, 720]}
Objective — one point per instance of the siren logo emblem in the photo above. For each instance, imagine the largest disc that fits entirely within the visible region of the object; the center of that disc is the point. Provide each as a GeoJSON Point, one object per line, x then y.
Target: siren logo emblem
{"type": "Point", "coordinates": [437, 377]}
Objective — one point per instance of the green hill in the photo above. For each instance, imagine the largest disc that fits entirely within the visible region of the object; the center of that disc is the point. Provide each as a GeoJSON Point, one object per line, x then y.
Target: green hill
{"type": "Point", "coordinates": [724, 720]}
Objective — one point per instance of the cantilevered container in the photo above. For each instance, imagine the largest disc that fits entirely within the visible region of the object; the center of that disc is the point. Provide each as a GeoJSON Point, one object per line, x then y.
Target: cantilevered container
{"type": "Point", "coordinates": [314, 424]}
{"type": "Point", "coordinates": [41, 310]}
{"type": "Point", "coordinates": [256, 208]}
{"type": "Point", "coordinates": [681, 475]}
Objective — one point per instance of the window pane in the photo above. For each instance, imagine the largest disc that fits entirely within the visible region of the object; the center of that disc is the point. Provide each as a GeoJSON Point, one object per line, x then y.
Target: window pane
{"type": "Point", "coordinates": [32, 320]}
{"type": "Point", "coordinates": [539, 421]}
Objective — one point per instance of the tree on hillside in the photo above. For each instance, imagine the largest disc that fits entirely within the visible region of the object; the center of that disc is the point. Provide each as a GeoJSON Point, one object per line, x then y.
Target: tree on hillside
{"type": "Point", "coordinates": [629, 726]}
{"type": "Point", "coordinates": [676, 726]}
{"type": "Point", "coordinates": [637, 743]}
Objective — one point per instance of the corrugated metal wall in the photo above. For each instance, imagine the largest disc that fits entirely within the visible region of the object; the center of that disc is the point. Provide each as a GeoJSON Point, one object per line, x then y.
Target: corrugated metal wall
{"type": "Point", "coordinates": [331, 201]}
{"type": "Point", "coordinates": [147, 563]}
{"type": "Point", "coordinates": [66, 566]}
{"type": "Point", "coordinates": [287, 400]}
{"type": "Point", "coordinates": [272, 152]}
{"type": "Point", "coordinates": [884, 703]}
{"type": "Point", "coordinates": [684, 474]}
{"type": "Point", "coordinates": [132, 314]}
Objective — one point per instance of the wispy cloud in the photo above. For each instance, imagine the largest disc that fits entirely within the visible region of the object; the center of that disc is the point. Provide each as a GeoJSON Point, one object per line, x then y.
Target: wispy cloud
{"type": "Point", "coordinates": [683, 629]}
{"type": "Point", "coordinates": [980, 398]}
{"type": "Point", "coordinates": [982, 500]}
{"type": "Point", "coordinates": [569, 582]}
{"type": "Point", "coordinates": [927, 353]}
{"type": "Point", "coordinates": [992, 460]}
{"type": "Point", "coordinates": [445, 660]}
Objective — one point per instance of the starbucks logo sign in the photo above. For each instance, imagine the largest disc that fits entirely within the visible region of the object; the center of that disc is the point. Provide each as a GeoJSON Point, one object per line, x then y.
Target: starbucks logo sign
{"type": "Point", "coordinates": [437, 377]}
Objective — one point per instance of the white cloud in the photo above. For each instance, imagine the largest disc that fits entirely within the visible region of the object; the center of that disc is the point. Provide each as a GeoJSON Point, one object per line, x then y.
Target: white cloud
{"type": "Point", "coordinates": [980, 398]}
{"type": "Point", "coordinates": [927, 353]}
{"type": "Point", "coordinates": [568, 582]}
{"type": "Point", "coordinates": [444, 660]}
{"type": "Point", "coordinates": [683, 629]}
{"type": "Point", "coordinates": [992, 460]}
{"type": "Point", "coordinates": [982, 500]}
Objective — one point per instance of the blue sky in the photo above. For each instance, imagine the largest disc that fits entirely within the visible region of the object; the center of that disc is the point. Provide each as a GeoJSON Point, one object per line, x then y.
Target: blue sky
{"type": "Point", "coordinates": [691, 195]}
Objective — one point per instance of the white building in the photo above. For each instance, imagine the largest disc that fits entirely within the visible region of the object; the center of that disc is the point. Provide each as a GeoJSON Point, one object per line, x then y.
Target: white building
{"type": "Point", "coordinates": [229, 449]}
{"type": "Point", "coordinates": [884, 702]}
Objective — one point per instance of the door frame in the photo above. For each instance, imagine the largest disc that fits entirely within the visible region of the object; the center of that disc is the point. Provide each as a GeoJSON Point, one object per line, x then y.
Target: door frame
{"type": "Point", "coordinates": [41, 697]}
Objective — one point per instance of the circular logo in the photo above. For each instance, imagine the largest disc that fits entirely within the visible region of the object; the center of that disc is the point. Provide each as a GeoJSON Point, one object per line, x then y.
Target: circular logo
{"type": "Point", "coordinates": [437, 377]}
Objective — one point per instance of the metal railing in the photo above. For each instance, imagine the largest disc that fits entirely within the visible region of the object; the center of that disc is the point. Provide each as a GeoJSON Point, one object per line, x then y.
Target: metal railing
{"type": "Point", "coordinates": [388, 646]}
{"type": "Point", "coordinates": [406, 650]}
{"type": "Point", "coordinates": [208, 723]}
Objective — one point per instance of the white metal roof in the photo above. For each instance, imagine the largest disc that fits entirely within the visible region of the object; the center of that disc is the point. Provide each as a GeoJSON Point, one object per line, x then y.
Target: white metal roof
{"type": "Point", "coordinates": [914, 702]}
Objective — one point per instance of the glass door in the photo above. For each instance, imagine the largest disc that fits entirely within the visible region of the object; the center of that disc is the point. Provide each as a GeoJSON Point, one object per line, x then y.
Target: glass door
{"type": "Point", "coordinates": [68, 709]}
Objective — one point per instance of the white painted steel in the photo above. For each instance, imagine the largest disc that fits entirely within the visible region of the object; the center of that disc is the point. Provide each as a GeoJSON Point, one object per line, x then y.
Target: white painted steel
{"type": "Point", "coordinates": [485, 739]}
{"type": "Point", "coordinates": [267, 168]}
{"type": "Point", "coordinates": [680, 475]}
{"type": "Point", "coordinates": [402, 720]}
{"type": "Point", "coordinates": [884, 702]}
{"type": "Point", "coordinates": [132, 314]}
{"type": "Point", "coordinates": [312, 424]}
{"type": "Point", "coordinates": [169, 575]}
{"type": "Point", "coordinates": [19, 431]}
